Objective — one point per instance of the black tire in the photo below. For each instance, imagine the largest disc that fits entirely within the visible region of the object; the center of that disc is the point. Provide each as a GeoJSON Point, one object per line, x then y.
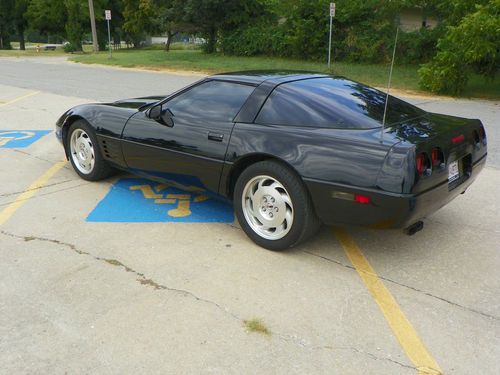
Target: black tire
{"type": "Point", "coordinates": [305, 222]}
{"type": "Point", "coordinates": [101, 169]}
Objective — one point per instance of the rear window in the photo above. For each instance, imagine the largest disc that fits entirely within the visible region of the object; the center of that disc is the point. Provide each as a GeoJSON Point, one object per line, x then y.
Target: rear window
{"type": "Point", "coordinates": [332, 103]}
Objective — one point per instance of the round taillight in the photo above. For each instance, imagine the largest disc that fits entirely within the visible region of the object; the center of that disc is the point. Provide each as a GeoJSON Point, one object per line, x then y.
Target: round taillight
{"type": "Point", "coordinates": [437, 158]}
{"type": "Point", "coordinates": [422, 163]}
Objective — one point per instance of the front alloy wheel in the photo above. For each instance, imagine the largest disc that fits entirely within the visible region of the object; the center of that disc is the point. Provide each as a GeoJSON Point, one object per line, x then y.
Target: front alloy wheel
{"type": "Point", "coordinates": [82, 151]}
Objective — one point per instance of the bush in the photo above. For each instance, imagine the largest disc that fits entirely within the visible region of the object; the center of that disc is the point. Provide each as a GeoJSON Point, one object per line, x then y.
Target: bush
{"type": "Point", "coordinates": [261, 39]}
{"type": "Point", "coordinates": [472, 46]}
{"type": "Point", "coordinates": [446, 73]}
{"type": "Point", "coordinates": [418, 46]}
{"type": "Point", "coordinates": [69, 48]}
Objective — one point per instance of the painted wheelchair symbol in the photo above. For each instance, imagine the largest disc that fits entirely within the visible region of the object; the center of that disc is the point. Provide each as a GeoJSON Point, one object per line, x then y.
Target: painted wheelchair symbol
{"type": "Point", "coordinates": [6, 137]}
{"type": "Point", "coordinates": [138, 200]}
{"type": "Point", "coordinates": [183, 200]}
{"type": "Point", "coordinates": [20, 138]}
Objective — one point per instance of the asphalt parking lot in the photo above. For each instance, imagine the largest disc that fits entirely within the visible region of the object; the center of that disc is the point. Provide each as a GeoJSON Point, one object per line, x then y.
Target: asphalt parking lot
{"type": "Point", "coordinates": [89, 287]}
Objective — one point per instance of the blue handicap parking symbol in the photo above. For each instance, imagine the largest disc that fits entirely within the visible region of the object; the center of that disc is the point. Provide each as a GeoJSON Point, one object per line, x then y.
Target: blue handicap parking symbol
{"type": "Point", "coordinates": [20, 138]}
{"type": "Point", "coordinates": [141, 200]}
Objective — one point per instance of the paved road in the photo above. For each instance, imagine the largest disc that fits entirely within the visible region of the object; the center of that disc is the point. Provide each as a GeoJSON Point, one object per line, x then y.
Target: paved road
{"type": "Point", "coordinates": [58, 76]}
{"type": "Point", "coordinates": [83, 297]}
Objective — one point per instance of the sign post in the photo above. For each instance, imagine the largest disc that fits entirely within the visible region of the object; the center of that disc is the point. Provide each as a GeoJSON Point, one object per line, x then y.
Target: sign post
{"type": "Point", "coordinates": [107, 14]}
{"type": "Point", "coordinates": [332, 14]}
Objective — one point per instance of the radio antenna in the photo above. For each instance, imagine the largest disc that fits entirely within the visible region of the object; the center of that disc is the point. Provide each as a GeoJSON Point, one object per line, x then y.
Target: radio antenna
{"type": "Point", "coordinates": [389, 85]}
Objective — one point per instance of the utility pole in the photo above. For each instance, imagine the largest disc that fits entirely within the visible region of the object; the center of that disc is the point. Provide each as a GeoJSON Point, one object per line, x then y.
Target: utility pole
{"type": "Point", "coordinates": [92, 24]}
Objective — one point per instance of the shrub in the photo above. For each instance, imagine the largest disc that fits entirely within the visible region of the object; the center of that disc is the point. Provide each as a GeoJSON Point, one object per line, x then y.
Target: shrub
{"type": "Point", "coordinates": [69, 48]}
{"type": "Point", "coordinates": [471, 46]}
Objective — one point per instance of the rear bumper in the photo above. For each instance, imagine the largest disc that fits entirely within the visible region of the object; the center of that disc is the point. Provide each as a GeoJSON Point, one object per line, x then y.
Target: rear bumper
{"type": "Point", "coordinates": [385, 210]}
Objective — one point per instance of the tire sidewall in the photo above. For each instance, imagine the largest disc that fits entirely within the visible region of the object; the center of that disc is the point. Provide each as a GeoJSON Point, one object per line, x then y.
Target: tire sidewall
{"type": "Point", "coordinates": [298, 195]}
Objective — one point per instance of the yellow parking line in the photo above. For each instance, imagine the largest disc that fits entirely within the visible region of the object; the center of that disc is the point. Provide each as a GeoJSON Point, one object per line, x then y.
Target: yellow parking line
{"type": "Point", "coordinates": [400, 325]}
{"type": "Point", "coordinates": [8, 211]}
{"type": "Point", "coordinates": [19, 98]}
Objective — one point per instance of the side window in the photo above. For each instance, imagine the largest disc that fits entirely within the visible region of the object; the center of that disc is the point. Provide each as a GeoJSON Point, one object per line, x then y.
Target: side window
{"type": "Point", "coordinates": [289, 104]}
{"type": "Point", "coordinates": [334, 103]}
{"type": "Point", "coordinates": [212, 100]}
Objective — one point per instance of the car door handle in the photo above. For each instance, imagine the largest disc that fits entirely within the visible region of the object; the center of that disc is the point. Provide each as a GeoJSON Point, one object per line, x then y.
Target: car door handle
{"type": "Point", "coordinates": [217, 137]}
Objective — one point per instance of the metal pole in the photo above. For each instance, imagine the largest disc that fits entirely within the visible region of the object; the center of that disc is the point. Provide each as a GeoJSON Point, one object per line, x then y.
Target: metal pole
{"type": "Point", "coordinates": [109, 42]}
{"type": "Point", "coordinates": [389, 85]}
{"type": "Point", "coordinates": [92, 24]}
{"type": "Point", "coordinates": [330, 42]}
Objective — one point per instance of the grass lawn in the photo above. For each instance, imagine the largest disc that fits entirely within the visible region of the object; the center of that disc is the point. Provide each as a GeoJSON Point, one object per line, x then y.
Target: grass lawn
{"type": "Point", "coordinates": [404, 77]}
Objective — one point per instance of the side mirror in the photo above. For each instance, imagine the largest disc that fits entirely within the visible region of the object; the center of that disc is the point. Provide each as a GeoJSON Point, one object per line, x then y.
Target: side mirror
{"type": "Point", "coordinates": [167, 117]}
{"type": "Point", "coordinates": [163, 116]}
{"type": "Point", "coordinates": [155, 112]}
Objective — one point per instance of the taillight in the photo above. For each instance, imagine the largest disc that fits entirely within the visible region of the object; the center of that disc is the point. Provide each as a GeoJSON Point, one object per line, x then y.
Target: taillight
{"type": "Point", "coordinates": [361, 199]}
{"type": "Point", "coordinates": [422, 163]}
{"type": "Point", "coordinates": [437, 157]}
{"type": "Point", "coordinates": [458, 138]}
{"type": "Point", "coordinates": [482, 134]}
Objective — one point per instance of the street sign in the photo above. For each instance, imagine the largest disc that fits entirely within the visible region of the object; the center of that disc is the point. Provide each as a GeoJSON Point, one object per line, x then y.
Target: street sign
{"type": "Point", "coordinates": [332, 9]}
{"type": "Point", "coordinates": [107, 14]}
{"type": "Point", "coordinates": [332, 14]}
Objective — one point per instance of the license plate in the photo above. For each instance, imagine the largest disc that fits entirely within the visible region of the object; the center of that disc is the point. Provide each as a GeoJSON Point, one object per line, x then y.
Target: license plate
{"type": "Point", "coordinates": [453, 171]}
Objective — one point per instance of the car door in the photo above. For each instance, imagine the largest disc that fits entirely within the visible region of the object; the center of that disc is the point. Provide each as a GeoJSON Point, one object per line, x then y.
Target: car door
{"type": "Point", "coordinates": [191, 148]}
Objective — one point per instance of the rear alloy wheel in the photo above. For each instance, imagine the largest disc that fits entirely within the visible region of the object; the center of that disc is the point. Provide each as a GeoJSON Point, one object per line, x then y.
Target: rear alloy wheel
{"type": "Point", "coordinates": [267, 207]}
{"type": "Point", "coordinates": [84, 153]}
{"type": "Point", "coordinates": [273, 206]}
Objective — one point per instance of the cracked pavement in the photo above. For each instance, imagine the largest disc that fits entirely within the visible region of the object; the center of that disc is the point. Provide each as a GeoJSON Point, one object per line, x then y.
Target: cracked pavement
{"type": "Point", "coordinates": [81, 297]}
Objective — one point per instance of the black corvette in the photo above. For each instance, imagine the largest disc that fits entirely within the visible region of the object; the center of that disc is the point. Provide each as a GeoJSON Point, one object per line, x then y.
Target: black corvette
{"type": "Point", "coordinates": [291, 150]}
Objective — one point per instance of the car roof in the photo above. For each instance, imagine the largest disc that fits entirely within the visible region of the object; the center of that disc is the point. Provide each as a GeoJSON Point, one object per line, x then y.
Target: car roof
{"type": "Point", "coordinates": [272, 76]}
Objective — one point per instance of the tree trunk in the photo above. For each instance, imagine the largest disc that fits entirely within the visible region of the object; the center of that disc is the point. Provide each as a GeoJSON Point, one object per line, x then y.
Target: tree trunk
{"type": "Point", "coordinates": [170, 35]}
{"type": "Point", "coordinates": [20, 31]}
{"type": "Point", "coordinates": [212, 40]}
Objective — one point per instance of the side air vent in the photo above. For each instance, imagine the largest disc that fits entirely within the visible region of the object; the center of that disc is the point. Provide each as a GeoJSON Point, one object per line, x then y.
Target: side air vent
{"type": "Point", "coordinates": [105, 149]}
{"type": "Point", "coordinates": [110, 149]}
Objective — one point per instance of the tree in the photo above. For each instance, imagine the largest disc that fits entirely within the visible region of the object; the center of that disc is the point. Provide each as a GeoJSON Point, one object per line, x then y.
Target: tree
{"type": "Point", "coordinates": [171, 15]}
{"type": "Point", "coordinates": [6, 25]}
{"type": "Point", "coordinates": [471, 46]}
{"type": "Point", "coordinates": [212, 17]}
{"type": "Point", "coordinates": [47, 16]}
{"type": "Point", "coordinates": [77, 22]}
{"type": "Point", "coordinates": [20, 22]}
{"type": "Point", "coordinates": [139, 18]}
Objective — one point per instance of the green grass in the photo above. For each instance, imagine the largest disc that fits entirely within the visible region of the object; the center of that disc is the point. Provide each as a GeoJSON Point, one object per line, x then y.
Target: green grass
{"type": "Point", "coordinates": [405, 77]}
{"type": "Point", "coordinates": [256, 325]}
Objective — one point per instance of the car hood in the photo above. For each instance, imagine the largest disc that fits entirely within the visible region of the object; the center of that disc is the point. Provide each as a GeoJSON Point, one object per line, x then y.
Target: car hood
{"type": "Point", "coordinates": [136, 103]}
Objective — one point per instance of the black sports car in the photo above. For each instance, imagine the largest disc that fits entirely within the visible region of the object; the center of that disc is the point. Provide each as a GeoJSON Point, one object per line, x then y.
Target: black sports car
{"type": "Point", "coordinates": [292, 150]}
